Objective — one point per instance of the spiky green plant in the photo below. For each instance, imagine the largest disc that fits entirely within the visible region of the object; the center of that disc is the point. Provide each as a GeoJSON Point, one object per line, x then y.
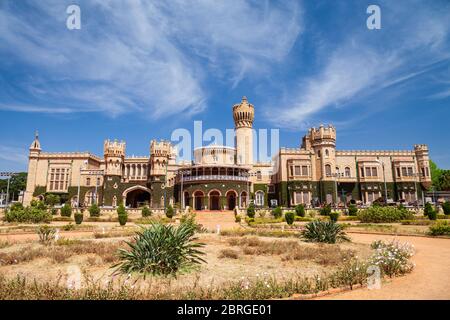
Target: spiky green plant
{"type": "Point", "coordinates": [46, 234]}
{"type": "Point", "coordinates": [161, 250]}
{"type": "Point", "coordinates": [323, 231]}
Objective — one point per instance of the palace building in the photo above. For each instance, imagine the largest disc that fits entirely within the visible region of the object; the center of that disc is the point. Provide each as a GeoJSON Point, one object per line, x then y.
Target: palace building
{"type": "Point", "coordinates": [222, 178]}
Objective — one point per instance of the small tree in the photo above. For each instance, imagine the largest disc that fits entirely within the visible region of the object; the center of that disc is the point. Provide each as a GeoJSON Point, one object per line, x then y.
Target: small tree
{"type": "Point", "coordinates": [94, 210]}
{"type": "Point", "coordinates": [428, 209]}
{"type": "Point", "coordinates": [78, 217]}
{"type": "Point", "coordinates": [325, 210]}
{"type": "Point", "coordinates": [146, 212]}
{"type": "Point", "coordinates": [52, 199]}
{"type": "Point", "coordinates": [251, 210]}
{"type": "Point", "coordinates": [122, 214]}
{"type": "Point", "coordinates": [334, 216]}
{"type": "Point", "coordinates": [352, 210]}
{"type": "Point", "coordinates": [289, 217]}
{"type": "Point", "coordinates": [446, 207]}
{"type": "Point", "coordinates": [277, 212]}
{"type": "Point", "coordinates": [300, 210]}
{"type": "Point", "coordinates": [66, 210]}
{"type": "Point", "coordinates": [169, 212]}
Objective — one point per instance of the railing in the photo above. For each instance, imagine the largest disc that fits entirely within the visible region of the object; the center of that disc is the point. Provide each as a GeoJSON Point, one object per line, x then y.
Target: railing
{"type": "Point", "coordinates": [214, 177]}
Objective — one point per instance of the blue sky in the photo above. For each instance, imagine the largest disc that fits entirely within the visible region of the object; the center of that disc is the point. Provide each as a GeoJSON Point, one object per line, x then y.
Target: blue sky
{"type": "Point", "coordinates": [137, 70]}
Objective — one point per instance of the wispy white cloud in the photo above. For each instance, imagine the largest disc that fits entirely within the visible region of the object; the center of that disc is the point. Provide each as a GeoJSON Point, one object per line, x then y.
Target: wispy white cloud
{"type": "Point", "coordinates": [139, 55]}
{"type": "Point", "coordinates": [13, 154]}
{"type": "Point", "coordinates": [359, 67]}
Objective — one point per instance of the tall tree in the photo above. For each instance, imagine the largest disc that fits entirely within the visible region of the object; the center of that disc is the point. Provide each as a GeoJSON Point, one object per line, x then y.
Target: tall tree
{"type": "Point", "coordinates": [17, 183]}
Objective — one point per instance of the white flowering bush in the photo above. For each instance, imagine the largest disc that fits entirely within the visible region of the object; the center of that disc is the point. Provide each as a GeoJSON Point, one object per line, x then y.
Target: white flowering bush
{"type": "Point", "coordinates": [392, 257]}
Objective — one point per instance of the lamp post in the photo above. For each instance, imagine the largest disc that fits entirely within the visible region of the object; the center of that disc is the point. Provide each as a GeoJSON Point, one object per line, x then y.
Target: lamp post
{"type": "Point", "coordinates": [9, 175]}
{"type": "Point", "coordinates": [79, 183]}
{"type": "Point", "coordinates": [182, 194]}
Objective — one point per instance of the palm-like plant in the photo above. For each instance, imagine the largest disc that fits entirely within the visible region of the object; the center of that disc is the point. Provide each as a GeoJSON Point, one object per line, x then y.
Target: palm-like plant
{"type": "Point", "coordinates": [161, 250]}
{"type": "Point", "coordinates": [323, 231]}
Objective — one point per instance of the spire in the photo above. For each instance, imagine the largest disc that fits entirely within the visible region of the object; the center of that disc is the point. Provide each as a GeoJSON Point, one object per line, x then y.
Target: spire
{"type": "Point", "coordinates": [36, 145]}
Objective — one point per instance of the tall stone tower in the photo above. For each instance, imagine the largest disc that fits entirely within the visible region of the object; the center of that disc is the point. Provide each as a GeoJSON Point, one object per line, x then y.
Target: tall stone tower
{"type": "Point", "coordinates": [114, 153]}
{"type": "Point", "coordinates": [243, 115]}
{"type": "Point", "coordinates": [423, 164]}
{"type": "Point", "coordinates": [33, 158]}
{"type": "Point", "coordinates": [323, 142]}
{"type": "Point", "coordinates": [161, 154]}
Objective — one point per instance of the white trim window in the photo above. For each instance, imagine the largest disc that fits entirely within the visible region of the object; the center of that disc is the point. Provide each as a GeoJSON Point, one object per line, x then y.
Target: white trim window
{"type": "Point", "coordinates": [259, 198]}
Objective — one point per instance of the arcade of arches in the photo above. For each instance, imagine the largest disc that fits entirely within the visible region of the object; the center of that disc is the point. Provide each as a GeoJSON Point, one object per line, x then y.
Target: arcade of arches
{"type": "Point", "coordinates": [215, 200]}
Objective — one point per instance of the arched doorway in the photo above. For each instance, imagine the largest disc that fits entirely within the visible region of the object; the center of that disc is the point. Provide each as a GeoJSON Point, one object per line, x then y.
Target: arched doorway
{"type": "Point", "coordinates": [198, 200]}
{"type": "Point", "coordinates": [231, 199]}
{"type": "Point", "coordinates": [214, 200]}
{"type": "Point", "coordinates": [137, 196]}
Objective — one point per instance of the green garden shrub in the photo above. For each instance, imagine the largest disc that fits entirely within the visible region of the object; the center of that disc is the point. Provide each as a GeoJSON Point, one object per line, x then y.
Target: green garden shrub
{"type": "Point", "coordinates": [251, 210]}
{"type": "Point", "coordinates": [323, 231]}
{"type": "Point", "coordinates": [94, 210]}
{"type": "Point", "coordinates": [161, 249]}
{"type": "Point", "coordinates": [300, 210]}
{"type": "Point", "coordinates": [352, 210]}
{"type": "Point", "coordinates": [146, 212]}
{"type": "Point", "coordinates": [440, 228]}
{"type": "Point", "coordinates": [384, 214]}
{"type": "Point", "coordinates": [325, 210]}
{"type": "Point", "coordinates": [52, 199]}
{"type": "Point", "coordinates": [54, 211]}
{"type": "Point", "coordinates": [277, 212]}
{"type": "Point", "coordinates": [289, 217]}
{"type": "Point", "coordinates": [46, 234]}
{"type": "Point", "coordinates": [122, 215]}
{"type": "Point", "coordinates": [446, 207]}
{"type": "Point", "coordinates": [30, 214]}
{"type": "Point", "coordinates": [334, 216]}
{"type": "Point", "coordinates": [237, 218]}
{"type": "Point", "coordinates": [78, 217]}
{"type": "Point", "coordinates": [432, 215]}
{"type": "Point", "coordinates": [66, 210]}
{"type": "Point", "coordinates": [169, 212]}
{"type": "Point", "coordinates": [428, 208]}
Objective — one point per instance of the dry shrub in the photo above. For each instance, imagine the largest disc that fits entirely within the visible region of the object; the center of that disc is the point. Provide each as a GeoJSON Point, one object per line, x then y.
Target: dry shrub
{"type": "Point", "coordinates": [323, 255]}
{"type": "Point", "coordinates": [292, 250]}
{"type": "Point", "coordinates": [229, 253]}
{"type": "Point", "coordinates": [61, 253]}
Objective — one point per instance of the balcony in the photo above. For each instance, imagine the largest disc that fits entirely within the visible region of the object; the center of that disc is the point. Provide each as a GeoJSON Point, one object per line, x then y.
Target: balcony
{"type": "Point", "coordinates": [214, 178]}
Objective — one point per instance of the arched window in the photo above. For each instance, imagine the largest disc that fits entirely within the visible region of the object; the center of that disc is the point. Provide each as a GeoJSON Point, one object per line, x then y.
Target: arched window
{"type": "Point", "coordinates": [259, 198]}
{"type": "Point", "coordinates": [258, 175]}
{"type": "Point", "coordinates": [327, 170]}
{"type": "Point", "coordinates": [347, 172]}
{"type": "Point", "coordinates": [327, 153]}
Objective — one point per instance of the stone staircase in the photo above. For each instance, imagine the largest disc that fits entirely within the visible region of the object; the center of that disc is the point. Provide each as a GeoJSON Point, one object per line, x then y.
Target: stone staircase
{"type": "Point", "coordinates": [211, 219]}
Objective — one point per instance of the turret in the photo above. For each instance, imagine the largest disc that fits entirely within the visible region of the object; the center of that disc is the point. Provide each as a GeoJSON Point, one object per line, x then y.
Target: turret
{"type": "Point", "coordinates": [161, 153]}
{"type": "Point", "coordinates": [33, 159]}
{"type": "Point", "coordinates": [243, 115]}
{"type": "Point", "coordinates": [323, 142]}
{"type": "Point", "coordinates": [114, 153]}
{"type": "Point", "coordinates": [423, 164]}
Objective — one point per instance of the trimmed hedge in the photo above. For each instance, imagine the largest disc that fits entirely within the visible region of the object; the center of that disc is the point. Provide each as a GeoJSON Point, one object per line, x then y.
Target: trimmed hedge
{"type": "Point", "coordinates": [29, 214]}
{"type": "Point", "coordinates": [440, 228]}
{"type": "Point", "coordinates": [384, 214]}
